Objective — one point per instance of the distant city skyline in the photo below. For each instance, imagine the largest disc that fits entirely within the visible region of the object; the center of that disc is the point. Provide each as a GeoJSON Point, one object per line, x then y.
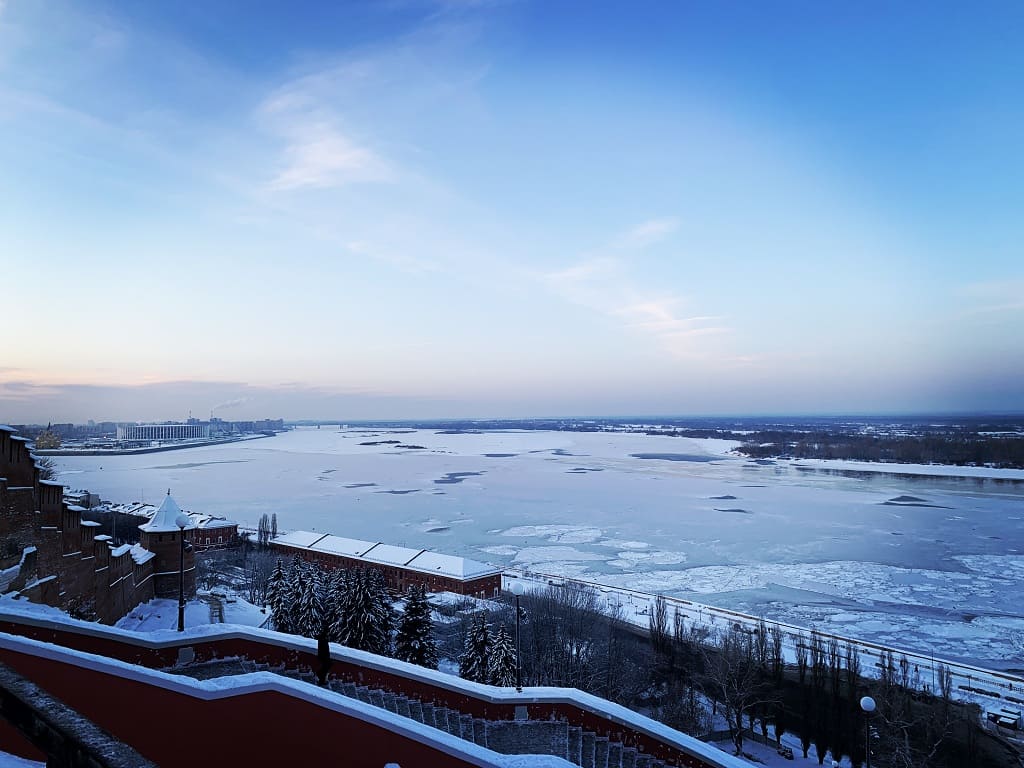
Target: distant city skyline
{"type": "Point", "coordinates": [422, 209]}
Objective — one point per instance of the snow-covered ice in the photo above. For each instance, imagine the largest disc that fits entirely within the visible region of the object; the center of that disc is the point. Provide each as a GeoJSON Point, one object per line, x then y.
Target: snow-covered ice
{"type": "Point", "coordinates": [830, 544]}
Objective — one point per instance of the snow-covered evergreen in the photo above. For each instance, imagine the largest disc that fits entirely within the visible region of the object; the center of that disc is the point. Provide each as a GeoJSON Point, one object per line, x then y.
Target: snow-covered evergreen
{"type": "Point", "coordinates": [297, 581]}
{"type": "Point", "coordinates": [310, 603]}
{"type": "Point", "coordinates": [277, 598]}
{"type": "Point", "coordinates": [365, 617]}
{"type": "Point", "coordinates": [501, 660]}
{"type": "Point", "coordinates": [414, 641]}
{"type": "Point", "coordinates": [334, 584]}
{"type": "Point", "coordinates": [473, 661]}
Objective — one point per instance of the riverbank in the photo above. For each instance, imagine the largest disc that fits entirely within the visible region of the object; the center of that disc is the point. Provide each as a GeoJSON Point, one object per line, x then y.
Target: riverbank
{"type": "Point", "coordinates": [147, 449]}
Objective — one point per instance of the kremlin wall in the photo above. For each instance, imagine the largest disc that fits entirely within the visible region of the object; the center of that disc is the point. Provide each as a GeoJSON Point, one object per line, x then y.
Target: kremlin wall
{"type": "Point", "coordinates": [52, 556]}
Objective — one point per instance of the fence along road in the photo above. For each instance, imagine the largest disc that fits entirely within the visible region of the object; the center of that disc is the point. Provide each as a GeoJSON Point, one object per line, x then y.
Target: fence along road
{"type": "Point", "coordinates": [985, 687]}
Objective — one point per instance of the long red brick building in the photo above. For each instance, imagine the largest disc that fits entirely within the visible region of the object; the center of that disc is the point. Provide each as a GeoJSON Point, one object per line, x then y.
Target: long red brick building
{"type": "Point", "coordinates": [401, 567]}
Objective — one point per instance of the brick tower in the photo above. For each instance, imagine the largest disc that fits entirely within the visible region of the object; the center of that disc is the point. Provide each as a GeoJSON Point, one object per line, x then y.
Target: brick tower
{"type": "Point", "coordinates": [163, 536]}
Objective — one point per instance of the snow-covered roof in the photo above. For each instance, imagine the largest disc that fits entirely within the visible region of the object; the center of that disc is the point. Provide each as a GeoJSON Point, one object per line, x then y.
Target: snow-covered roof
{"type": "Point", "coordinates": [389, 554]}
{"type": "Point", "coordinates": [301, 539]}
{"type": "Point", "coordinates": [207, 522]}
{"type": "Point", "coordinates": [447, 565]}
{"type": "Point", "coordinates": [118, 551]}
{"type": "Point", "coordinates": [140, 554]}
{"type": "Point", "coordinates": [103, 537]}
{"type": "Point", "coordinates": [90, 524]}
{"type": "Point", "coordinates": [52, 483]}
{"type": "Point", "coordinates": [5, 428]}
{"type": "Point", "coordinates": [339, 545]}
{"type": "Point", "coordinates": [420, 560]}
{"type": "Point", "coordinates": [165, 518]}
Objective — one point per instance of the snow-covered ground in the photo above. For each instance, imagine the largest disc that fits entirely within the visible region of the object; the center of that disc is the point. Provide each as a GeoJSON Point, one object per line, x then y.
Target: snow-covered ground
{"type": "Point", "coordinates": [7, 760]}
{"type": "Point", "coordinates": [160, 613]}
{"type": "Point", "coordinates": [932, 560]}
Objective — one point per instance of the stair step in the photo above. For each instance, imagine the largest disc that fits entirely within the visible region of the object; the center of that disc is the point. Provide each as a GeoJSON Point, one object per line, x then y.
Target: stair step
{"type": "Point", "coordinates": [402, 706]}
{"type": "Point", "coordinates": [427, 710]}
{"type": "Point", "coordinates": [416, 710]}
{"type": "Point", "coordinates": [528, 737]}
{"type": "Point", "coordinates": [480, 732]}
{"type": "Point", "coordinates": [443, 719]}
{"type": "Point", "coordinates": [628, 759]}
{"type": "Point", "coordinates": [574, 744]}
{"type": "Point", "coordinates": [587, 749]}
{"type": "Point", "coordinates": [377, 698]}
{"type": "Point", "coordinates": [363, 693]}
{"type": "Point", "coordinates": [601, 752]}
{"type": "Point", "coordinates": [466, 727]}
{"type": "Point", "coordinates": [614, 754]}
{"type": "Point", "coordinates": [644, 761]}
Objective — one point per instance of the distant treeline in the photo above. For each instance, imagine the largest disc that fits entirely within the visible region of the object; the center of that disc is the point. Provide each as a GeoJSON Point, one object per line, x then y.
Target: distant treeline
{"type": "Point", "coordinates": [960, 450]}
{"type": "Point", "coordinates": [996, 441]}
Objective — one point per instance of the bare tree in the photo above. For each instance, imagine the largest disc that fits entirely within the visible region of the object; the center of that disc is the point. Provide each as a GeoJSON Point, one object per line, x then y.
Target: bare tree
{"type": "Point", "coordinates": [732, 677]}
{"type": "Point", "coordinates": [562, 637]}
{"type": "Point", "coordinates": [657, 624]}
{"type": "Point", "coordinates": [778, 660]}
{"type": "Point", "coordinates": [257, 575]}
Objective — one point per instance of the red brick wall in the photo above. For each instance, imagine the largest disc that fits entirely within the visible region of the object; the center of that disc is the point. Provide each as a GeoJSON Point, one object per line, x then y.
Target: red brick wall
{"type": "Point", "coordinates": [35, 515]}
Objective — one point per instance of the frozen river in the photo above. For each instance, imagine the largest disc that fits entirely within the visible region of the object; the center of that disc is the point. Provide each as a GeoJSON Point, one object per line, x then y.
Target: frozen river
{"type": "Point", "coordinates": [930, 563]}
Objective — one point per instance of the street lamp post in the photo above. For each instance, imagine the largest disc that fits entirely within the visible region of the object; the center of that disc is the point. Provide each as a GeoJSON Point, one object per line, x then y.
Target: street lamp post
{"type": "Point", "coordinates": [181, 521]}
{"type": "Point", "coordinates": [517, 590]}
{"type": "Point", "coordinates": [867, 704]}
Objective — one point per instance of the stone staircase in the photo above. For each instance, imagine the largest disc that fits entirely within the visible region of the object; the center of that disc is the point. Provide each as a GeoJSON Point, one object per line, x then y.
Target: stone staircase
{"type": "Point", "coordinates": [509, 737]}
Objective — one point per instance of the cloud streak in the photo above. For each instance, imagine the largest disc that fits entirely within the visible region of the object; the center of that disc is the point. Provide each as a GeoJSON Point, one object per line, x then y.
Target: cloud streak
{"type": "Point", "coordinates": [607, 282]}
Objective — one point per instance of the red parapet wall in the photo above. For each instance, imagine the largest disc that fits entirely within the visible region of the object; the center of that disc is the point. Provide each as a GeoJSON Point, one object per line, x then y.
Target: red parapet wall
{"type": "Point", "coordinates": [171, 728]}
{"type": "Point", "coordinates": [297, 653]}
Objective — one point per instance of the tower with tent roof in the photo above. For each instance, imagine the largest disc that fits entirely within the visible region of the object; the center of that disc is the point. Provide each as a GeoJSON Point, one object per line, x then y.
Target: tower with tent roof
{"type": "Point", "coordinates": [162, 536]}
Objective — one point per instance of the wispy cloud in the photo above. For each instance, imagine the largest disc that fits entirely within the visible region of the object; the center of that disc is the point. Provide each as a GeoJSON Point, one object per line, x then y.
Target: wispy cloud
{"type": "Point", "coordinates": [608, 282]}
{"type": "Point", "coordinates": [317, 153]}
{"type": "Point", "coordinates": [648, 233]}
{"type": "Point", "coordinates": [995, 297]}
{"type": "Point", "coordinates": [661, 318]}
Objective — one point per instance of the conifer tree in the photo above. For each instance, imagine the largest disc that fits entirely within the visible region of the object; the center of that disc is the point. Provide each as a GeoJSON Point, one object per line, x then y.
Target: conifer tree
{"type": "Point", "coordinates": [501, 660]}
{"type": "Point", "coordinates": [335, 588]}
{"type": "Point", "coordinates": [365, 617]}
{"type": "Point", "coordinates": [297, 587]}
{"type": "Point", "coordinates": [473, 661]}
{"type": "Point", "coordinates": [311, 603]}
{"type": "Point", "coordinates": [414, 641]}
{"type": "Point", "coordinates": [277, 598]}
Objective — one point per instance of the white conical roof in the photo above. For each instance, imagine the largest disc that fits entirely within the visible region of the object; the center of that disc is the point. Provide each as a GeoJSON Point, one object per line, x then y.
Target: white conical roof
{"type": "Point", "coordinates": [166, 518]}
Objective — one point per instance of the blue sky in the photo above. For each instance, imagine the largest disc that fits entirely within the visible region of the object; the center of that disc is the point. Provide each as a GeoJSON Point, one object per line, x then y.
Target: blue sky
{"type": "Point", "coordinates": [416, 209]}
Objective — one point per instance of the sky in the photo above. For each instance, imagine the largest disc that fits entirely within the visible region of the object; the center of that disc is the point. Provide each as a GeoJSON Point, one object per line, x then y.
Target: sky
{"type": "Point", "coordinates": [459, 208]}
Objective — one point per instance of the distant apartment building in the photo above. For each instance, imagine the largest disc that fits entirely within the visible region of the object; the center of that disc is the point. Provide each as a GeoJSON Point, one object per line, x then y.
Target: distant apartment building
{"type": "Point", "coordinates": [164, 432]}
